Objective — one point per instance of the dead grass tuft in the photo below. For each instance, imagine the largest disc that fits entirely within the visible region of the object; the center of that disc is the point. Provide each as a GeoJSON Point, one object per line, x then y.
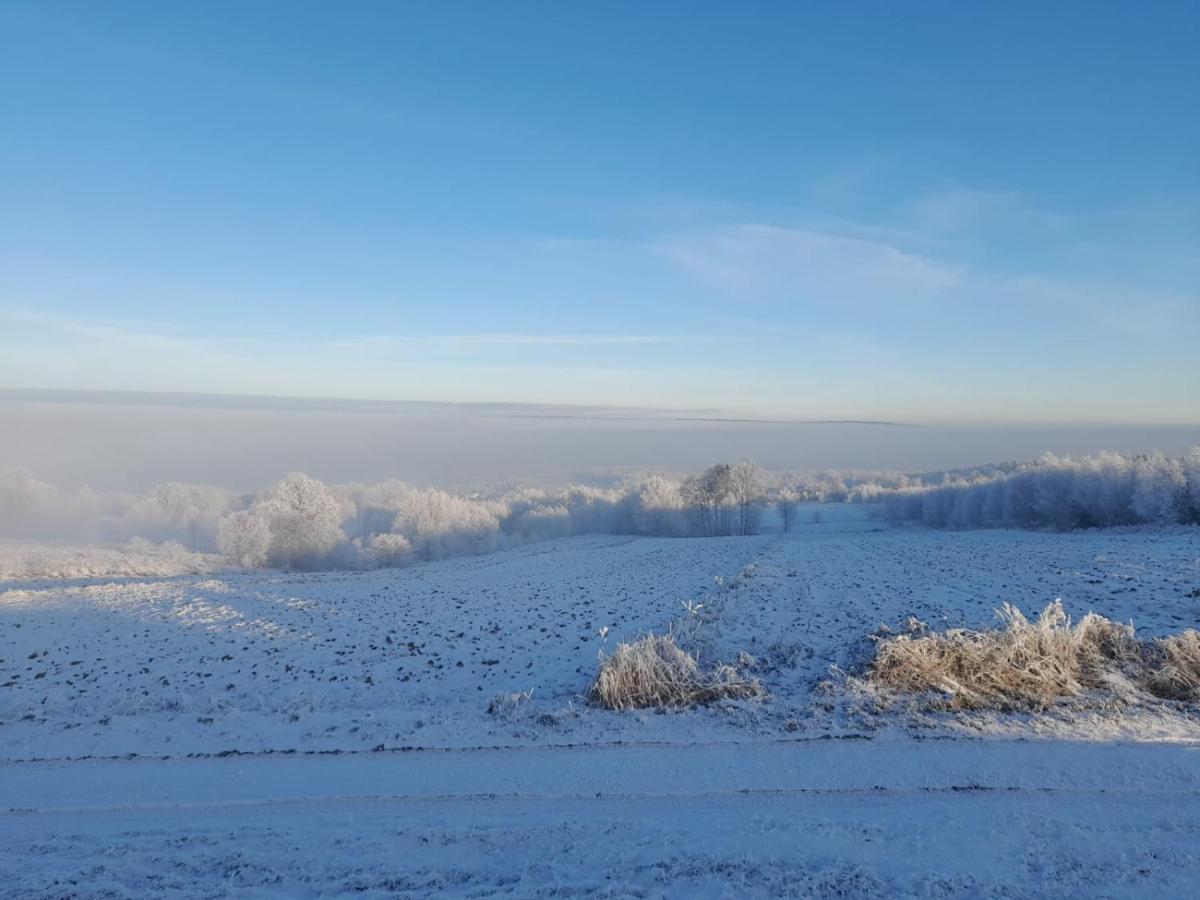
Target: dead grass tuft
{"type": "Point", "coordinates": [1176, 675]}
{"type": "Point", "coordinates": [655, 671]}
{"type": "Point", "coordinates": [1027, 665]}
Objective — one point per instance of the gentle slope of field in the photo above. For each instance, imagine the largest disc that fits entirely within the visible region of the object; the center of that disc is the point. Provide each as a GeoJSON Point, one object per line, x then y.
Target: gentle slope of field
{"type": "Point", "coordinates": [276, 734]}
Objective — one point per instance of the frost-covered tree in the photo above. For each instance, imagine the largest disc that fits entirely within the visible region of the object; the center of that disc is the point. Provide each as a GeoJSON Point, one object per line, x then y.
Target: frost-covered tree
{"type": "Point", "coordinates": [746, 493]}
{"type": "Point", "coordinates": [708, 497]}
{"type": "Point", "coordinates": [659, 507]}
{"type": "Point", "coordinates": [1060, 492]}
{"type": "Point", "coordinates": [1190, 505]}
{"type": "Point", "coordinates": [244, 538]}
{"type": "Point", "coordinates": [303, 519]}
{"type": "Point", "coordinates": [1158, 488]}
{"type": "Point", "coordinates": [596, 510]}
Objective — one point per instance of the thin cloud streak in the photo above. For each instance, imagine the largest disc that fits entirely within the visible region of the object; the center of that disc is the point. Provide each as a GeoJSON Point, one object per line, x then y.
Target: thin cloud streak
{"type": "Point", "coordinates": [573, 339]}
{"type": "Point", "coordinates": [756, 260]}
{"type": "Point", "coordinates": [109, 331]}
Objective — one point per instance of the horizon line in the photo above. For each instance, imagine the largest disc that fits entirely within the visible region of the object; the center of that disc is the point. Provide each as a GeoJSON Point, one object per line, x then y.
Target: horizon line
{"type": "Point", "coordinates": [522, 409]}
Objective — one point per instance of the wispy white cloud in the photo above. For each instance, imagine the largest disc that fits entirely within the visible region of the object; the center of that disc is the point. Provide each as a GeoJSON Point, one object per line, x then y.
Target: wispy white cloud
{"type": "Point", "coordinates": [570, 339]}
{"type": "Point", "coordinates": [956, 209]}
{"type": "Point", "coordinates": [765, 261]}
{"type": "Point", "coordinates": [105, 331]}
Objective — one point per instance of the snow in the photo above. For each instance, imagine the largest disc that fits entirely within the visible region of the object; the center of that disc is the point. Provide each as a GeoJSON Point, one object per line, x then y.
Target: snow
{"type": "Point", "coordinates": [818, 818]}
{"type": "Point", "coordinates": [23, 561]}
{"type": "Point", "coordinates": [275, 734]}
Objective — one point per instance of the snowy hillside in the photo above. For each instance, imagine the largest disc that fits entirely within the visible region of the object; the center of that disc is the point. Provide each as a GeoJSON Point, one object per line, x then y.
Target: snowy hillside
{"type": "Point", "coordinates": [414, 657]}
{"type": "Point", "coordinates": [493, 655]}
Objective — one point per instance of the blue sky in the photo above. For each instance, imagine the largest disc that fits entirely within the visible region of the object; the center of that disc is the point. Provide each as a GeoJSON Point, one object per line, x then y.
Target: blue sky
{"type": "Point", "coordinates": [918, 212]}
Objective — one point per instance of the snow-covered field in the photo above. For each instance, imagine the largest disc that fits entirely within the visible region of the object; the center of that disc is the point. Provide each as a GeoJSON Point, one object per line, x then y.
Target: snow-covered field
{"type": "Point", "coordinates": [160, 736]}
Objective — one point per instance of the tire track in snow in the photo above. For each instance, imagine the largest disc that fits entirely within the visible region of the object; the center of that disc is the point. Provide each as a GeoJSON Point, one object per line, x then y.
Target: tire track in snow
{"type": "Point", "coordinates": [795, 768]}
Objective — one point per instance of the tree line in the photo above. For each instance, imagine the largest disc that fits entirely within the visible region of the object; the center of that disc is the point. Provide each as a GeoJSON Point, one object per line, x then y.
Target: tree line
{"type": "Point", "coordinates": [1060, 492]}
{"type": "Point", "coordinates": [301, 522]}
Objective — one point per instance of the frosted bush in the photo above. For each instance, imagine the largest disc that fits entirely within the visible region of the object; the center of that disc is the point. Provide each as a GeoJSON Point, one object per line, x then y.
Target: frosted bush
{"type": "Point", "coordinates": [439, 524]}
{"type": "Point", "coordinates": [390, 550]}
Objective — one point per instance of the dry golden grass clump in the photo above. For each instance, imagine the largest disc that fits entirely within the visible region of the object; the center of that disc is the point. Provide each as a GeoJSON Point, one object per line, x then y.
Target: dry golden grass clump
{"type": "Point", "coordinates": [1029, 665]}
{"type": "Point", "coordinates": [655, 671]}
{"type": "Point", "coordinates": [1176, 675]}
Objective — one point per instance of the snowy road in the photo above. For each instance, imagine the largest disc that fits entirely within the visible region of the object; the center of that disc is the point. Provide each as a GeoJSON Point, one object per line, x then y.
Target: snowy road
{"type": "Point", "coordinates": [847, 818]}
{"type": "Point", "coordinates": [786, 767]}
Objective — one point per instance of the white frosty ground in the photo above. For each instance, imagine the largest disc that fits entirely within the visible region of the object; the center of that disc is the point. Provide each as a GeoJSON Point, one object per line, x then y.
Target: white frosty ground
{"type": "Point", "coordinates": [844, 818]}
{"type": "Point", "coordinates": [750, 799]}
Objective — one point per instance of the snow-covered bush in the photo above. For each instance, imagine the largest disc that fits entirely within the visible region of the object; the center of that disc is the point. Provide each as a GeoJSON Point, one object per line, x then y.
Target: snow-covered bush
{"type": "Point", "coordinates": [541, 523]}
{"type": "Point", "coordinates": [439, 524]}
{"type": "Point", "coordinates": [388, 550]}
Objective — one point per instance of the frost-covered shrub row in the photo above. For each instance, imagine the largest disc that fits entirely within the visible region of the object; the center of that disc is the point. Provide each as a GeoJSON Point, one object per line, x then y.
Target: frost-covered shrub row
{"type": "Point", "coordinates": [293, 523]}
{"type": "Point", "coordinates": [435, 524]}
{"type": "Point", "coordinates": [1061, 492]}
{"type": "Point", "coordinates": [301, 522]}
